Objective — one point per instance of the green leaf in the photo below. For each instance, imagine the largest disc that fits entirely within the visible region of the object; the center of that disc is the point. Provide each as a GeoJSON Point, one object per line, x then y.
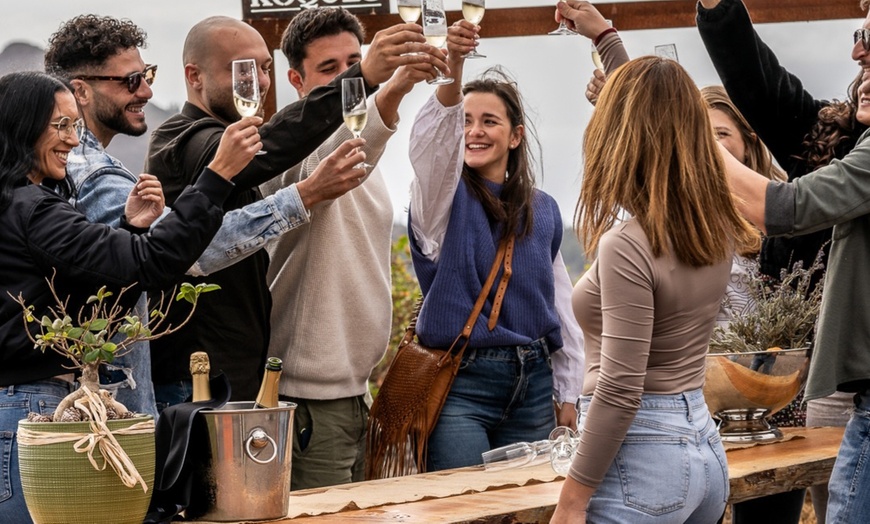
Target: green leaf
{"type": "Point", "coordinates": [91, 356]}
{"type": "Point", "coordinates": [46, 322]}
{"type": "Point", "coordinates": [89, 339]}
{"type": "Point", "coordinates": [98, 324]}
{"type": "Point", "coordinates": [207, 288]}
{"type": "Point", "coordinates": [110, 347]}
{"type": "Point", "coordinates": [75, 332]}
{"type": "Point", "coordinates": [92, 298]}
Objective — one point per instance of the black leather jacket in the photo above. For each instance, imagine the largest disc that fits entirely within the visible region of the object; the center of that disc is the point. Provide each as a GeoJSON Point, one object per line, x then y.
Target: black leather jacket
{"type": "Point", "coordinates": [41, 234]}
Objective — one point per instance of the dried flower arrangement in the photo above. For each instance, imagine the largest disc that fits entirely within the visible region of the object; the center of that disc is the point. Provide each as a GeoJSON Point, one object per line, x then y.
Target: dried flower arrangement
{"type": "Point", "coordinates": [778, 315]}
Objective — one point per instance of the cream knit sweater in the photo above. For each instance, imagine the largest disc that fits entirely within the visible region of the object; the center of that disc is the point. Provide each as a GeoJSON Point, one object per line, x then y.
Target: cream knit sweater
{"type": "Point", "coordinates": [330, 282]}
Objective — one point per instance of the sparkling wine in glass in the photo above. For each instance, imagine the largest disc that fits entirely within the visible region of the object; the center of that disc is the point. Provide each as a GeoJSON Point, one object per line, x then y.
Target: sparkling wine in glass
{"type": "Point", "coordinates": [246, 89]}
{"type": "Point", "coordinates": [472, 11]}
{"type": "Point", "coordinates": [409, 10]}
{"type": "Point", "coordinates": [435, 31]}
{"type": "Point", "coordinates": [354, 108]}
{"type": "Point", "coordinates": [596, 58]}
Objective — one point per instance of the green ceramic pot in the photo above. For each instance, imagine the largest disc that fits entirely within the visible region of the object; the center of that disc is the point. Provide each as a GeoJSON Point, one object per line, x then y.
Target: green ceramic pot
{"type": "Point", "coordinates": [61, 486]}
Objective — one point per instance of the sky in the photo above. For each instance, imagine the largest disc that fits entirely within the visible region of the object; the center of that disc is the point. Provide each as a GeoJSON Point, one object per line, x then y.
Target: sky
{"type": "Point", "coordinates": [551, 71]}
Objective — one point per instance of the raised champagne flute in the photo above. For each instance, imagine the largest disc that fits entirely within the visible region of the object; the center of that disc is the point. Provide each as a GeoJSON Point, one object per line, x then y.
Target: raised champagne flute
{"type": "Point", "coordinates": [354, 109]}
{"type": "Point", "coordinates": [409, 10]}
{"type": "Point", "coordinates": [472, 11]}
{"type": "Point", "coordinates": [246, 89]}
{"type": "Point", "coordinates": [668, 51]}
{"type": "Point", "coordinates": [435, 31]}
{"type": "Point", "coordinates": [563, 29]}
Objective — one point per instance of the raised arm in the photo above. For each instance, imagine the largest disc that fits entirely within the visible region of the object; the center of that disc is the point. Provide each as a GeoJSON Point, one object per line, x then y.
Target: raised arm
{"type": "Point", "coordinates": [774, 101]}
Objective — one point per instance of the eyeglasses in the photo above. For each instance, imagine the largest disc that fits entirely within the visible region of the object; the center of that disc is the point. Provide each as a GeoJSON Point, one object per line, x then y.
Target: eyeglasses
{"type": "Point", "coordinates": [864, 36]}
{"type": "Point", "coordinates": [66, 125]}
{"type": "Point", "coordinates": [133, 80]}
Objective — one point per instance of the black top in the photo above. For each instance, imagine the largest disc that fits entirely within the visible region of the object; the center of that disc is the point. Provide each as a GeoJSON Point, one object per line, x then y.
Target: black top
{"type": "Point", "coordinates": [232, 326]}
{"type": "Point", "coordinates": [41, 233]}
{"type": "Point", "coordinates": [777, 107]}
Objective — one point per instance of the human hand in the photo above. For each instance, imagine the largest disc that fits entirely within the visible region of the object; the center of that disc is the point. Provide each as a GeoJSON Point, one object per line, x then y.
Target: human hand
{"type": "Point", "coordinates": [239, 143]}
{"type": "Point", "coordinates": [335, 175]}
{"type": "Point", "coordinates": [407, 77]}
{"type": "Point", "coordinates": [145, 202]}
{"type": "Point", "coordinates": [462, 38]}
{"type": "Point", "coordinates": [395, 46]}
{"type": "Point", "coordinates": [566, 415]}
{"type": "Point", "coordinates": [595, 85]}
{"type": "Point", "coordinates": [581, 17]}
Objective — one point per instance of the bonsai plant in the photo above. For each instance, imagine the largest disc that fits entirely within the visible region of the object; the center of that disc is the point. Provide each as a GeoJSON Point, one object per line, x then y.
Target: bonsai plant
{"type": "Point", "coordinates": [89, 424]}
{"type": "Point", "coordinates": [86, 342]}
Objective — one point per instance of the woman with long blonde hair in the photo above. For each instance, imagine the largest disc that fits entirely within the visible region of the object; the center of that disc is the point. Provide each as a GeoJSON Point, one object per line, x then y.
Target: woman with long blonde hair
{"type": "Point", "coordinates": [648, 303]}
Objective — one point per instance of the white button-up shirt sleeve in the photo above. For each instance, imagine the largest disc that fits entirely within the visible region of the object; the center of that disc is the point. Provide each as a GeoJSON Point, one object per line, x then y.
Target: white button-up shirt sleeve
{"type": "Point", "coordinates": [437, 148]}
{"type": "Point", "coordinates": [569, 363]}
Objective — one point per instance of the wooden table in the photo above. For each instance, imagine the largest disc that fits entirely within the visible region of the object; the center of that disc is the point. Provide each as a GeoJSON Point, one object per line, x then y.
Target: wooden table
{"type": "Point", "coordinates": [805, 460]}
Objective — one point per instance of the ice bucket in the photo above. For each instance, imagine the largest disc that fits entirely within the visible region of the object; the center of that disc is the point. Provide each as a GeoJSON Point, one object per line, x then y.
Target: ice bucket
{"type": "Point", "coordinates": [247, 474]}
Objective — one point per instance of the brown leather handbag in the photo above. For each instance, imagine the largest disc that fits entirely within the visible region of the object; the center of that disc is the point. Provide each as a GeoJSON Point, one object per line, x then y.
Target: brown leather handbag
{"type": "Point", "coordinates": [410, 399]}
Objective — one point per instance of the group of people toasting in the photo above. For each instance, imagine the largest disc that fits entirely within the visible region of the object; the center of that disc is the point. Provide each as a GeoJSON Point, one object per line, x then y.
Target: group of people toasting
{"type": "Point", "coordinates": [299, 240]}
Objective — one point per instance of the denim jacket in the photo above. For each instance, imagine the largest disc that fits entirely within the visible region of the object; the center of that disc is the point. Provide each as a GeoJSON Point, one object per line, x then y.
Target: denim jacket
{"type": "Point", "coordinates": [103, 183]}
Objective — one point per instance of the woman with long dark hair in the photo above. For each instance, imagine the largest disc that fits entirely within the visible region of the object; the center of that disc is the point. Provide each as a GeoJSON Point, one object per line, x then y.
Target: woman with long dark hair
{"type": "Point", "coordinates": [474, 189]}
{"type": "Point", "coordinates": [42, 236]}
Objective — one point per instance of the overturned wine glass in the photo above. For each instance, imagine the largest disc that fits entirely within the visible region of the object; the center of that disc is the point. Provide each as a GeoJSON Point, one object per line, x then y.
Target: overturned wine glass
{"type": "Point", "coordinates": [515, 455]}
{"type": "Point", "coordinates": [564, 443]}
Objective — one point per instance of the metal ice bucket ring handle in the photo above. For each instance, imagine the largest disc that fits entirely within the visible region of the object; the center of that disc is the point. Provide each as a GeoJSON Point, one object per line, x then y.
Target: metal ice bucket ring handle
{"type": "Point", "coordinates": [258, 438]}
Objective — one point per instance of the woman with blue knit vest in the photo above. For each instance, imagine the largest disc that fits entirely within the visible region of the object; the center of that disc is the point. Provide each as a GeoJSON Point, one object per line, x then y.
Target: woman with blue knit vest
{"type": "Point", "coordinates": [473, 189]}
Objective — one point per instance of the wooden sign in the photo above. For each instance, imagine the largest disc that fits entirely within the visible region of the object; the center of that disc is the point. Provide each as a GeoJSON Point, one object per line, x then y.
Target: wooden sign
{"type": "Point", "coordinates": [287, 9]}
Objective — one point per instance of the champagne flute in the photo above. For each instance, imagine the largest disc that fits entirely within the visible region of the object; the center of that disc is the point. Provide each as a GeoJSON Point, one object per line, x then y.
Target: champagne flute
{"type": "Point", "coordinates": [246, 89]}
{"type": "Point", "coordinates": [563, 30]}
{"type": "Point", "coordinates": [472, 11]}
{"type": "Point", "coordinates": [435, 31]}
{"type": "Point", "coordinates": [564, 441]}
{"type": "Point", "coordinates": [409, 10]}
{"type": "Point", "coordinates": [354, 109]}
{"type": "Point", "coordinates": [667, 51]}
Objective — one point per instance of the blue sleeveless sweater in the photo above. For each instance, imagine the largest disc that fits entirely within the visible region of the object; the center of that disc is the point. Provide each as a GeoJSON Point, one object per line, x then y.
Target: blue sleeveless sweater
{"type": "Point", "coordinates": [452, 283]}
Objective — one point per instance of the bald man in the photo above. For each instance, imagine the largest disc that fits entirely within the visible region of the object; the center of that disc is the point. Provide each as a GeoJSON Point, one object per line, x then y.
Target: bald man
{"type": "Point", "coordinates": [233, 325]}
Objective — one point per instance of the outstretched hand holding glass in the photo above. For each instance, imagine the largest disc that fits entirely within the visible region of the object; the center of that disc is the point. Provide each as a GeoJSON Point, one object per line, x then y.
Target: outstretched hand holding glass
{"type": "Point", "coordinates": [435, 31]}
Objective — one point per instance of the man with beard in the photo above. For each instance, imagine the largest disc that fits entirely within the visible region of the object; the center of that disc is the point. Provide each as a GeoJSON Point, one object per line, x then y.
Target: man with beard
{"type": "Point", "coordinates": [100, 57]}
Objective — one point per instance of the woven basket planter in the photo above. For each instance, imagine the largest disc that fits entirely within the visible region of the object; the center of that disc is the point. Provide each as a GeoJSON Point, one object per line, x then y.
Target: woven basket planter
{"type": "Point", "coordinates": [61, 485]}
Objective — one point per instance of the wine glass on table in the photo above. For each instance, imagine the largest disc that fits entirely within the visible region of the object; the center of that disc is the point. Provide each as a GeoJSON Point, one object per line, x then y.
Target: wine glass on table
{"type": "Point", "coordinates": [246, 89]}
{"type": "Point", "coordinates": [435, 31]}
{"type": "Point", "coordinates": [354, 109]}
{"type": "Point", "coordinates": [472, 11]}
{"type": "Point", "coordinates": [564, 441]}
{"type": "Point", "coordinates": [409, 10]}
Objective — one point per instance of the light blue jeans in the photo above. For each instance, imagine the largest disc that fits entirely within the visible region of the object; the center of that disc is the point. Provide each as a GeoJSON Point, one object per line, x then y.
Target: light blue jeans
{"type": "Point", "coordinates": [15, 402]}
{"type": "Point", "coordinates": [849, 487]}
{"type": "Point", "coordinates": [501, 395]}
{"type": "Point", "coordinates": [671, 467]}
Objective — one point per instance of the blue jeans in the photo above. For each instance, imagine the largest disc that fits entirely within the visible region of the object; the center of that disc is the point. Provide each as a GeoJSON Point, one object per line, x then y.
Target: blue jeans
{"type": "Point", "coordinates": [15, 402]}
{"type": "Point", "coordinates": [849, 487]}
{"type": "Point", "coordinates": [501, 395]}
{"type": "Point", "coordinates": [670, 468]}
{"type": "Point", "coordinates": [129, 379]}
{"type": "Point", "coordinates": [172, 393]}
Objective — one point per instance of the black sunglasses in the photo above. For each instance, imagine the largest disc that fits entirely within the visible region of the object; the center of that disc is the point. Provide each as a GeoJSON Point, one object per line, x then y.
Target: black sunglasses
{"type": "Point", "coordinates": [133, 80]}
{"type": "Point", "coordinates": [864, 36]}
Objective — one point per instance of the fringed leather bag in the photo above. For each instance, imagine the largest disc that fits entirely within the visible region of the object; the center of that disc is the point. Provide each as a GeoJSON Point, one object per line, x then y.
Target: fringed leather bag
{"type": "Point", "coordinates": [410, 399]}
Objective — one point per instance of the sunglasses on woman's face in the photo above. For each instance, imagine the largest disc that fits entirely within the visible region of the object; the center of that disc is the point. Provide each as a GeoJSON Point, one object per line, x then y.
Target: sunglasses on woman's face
{"type": "Point", "coordinates": [864, 36]}
{"type": "Point", "coordinates": [132, 81]}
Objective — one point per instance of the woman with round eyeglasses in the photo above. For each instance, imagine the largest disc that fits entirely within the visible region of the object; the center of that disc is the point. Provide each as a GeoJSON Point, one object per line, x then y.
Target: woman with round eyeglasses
{"type": "Point", "coordinates": [43, 237]}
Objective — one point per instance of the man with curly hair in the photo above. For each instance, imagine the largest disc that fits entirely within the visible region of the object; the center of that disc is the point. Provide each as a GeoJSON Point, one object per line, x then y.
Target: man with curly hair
{"type": "Point", "coordinates": [100, 57]}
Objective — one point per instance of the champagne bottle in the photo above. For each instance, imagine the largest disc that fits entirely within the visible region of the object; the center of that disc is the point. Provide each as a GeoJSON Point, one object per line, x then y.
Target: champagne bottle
{"type": "Point", "coordinates": [268, 395]}
{"type": "Point", "coordinates": [199, 370]}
